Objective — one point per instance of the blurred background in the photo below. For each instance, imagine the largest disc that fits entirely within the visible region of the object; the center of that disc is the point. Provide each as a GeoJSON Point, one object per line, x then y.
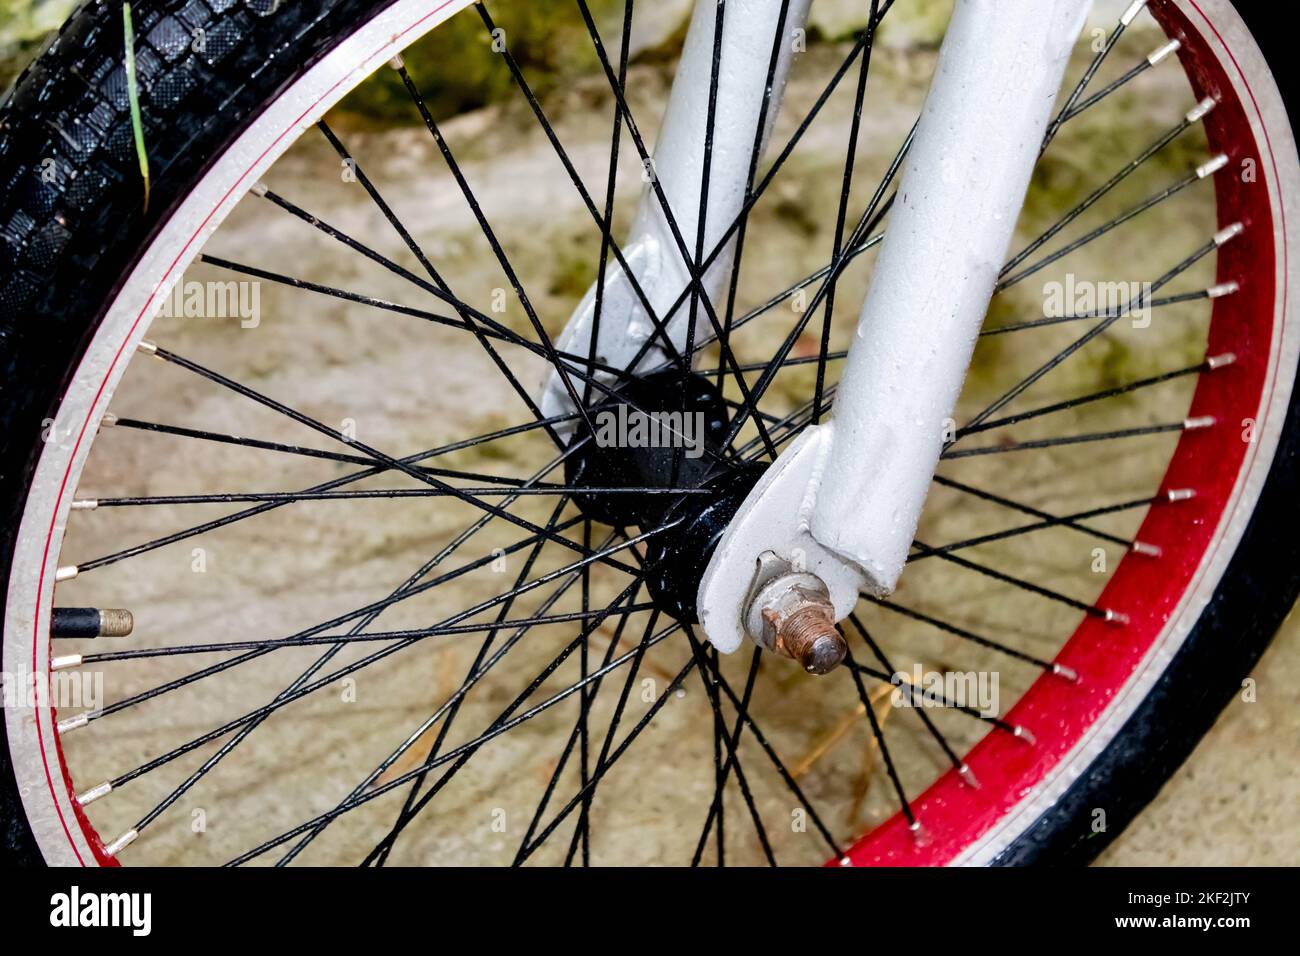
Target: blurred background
{"type": "Point", "coordinates": [1232, 803]}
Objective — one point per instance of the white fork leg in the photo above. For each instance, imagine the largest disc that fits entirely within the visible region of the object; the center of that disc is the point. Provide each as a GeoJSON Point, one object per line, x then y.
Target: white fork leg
{"type": "Point", "coordinates": [844, 501]}
{"type": "Point", "coordinates": [652, 251]}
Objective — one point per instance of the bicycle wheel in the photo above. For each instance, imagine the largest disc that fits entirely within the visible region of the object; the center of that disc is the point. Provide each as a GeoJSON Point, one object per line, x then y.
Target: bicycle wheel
{"type": "Point", "coordinates": [382, 609]}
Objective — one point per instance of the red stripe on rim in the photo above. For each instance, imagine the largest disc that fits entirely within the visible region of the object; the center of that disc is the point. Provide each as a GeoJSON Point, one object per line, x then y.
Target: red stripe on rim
{"type": "Point", "coordinates": [1060, 713]}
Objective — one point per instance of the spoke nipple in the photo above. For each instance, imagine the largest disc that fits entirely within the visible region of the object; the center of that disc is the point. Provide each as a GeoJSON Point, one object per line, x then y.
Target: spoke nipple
{"type": "Point", "coordinates": [1066, 673]}
{"type": "Point", "coordinates": [397, 63]}
{"type": "Point", "coordinates": [845, 861]}
{"type": "Point", "coordinates": [65, 662]}
{"type": "Point", "coordinates": [1147, 550]}
{"type": "Point", "coordinates": [108, 421]}
{"type": "Point", "coordinates": [1222, 289]}
{"type": "Point", "coordinates": [1131, 13]}
{"type": "Point", "coordinates": [920, 836]}
{"type": "Point", "coordinates": [66, 573]}
{"type": "Point", "coordinates": [121, 843]}
{"type": "Point", "coordinates": [73, 723]}
{"type": "Point", "coordinates": [1199, 422]}
{"type": "Point", "coordinates": [85, 504]}
{"type": "Point", "coordinates": [1212, 167]}
{"type": "Point", "coordinates": [1025, 734]}
{"type": "Point", "coordinates": [1180, 494]}
{"type": "Point", "coordinates": [1173, 46]}
{"type": "Point", "coordinates": [1227, 234]}
{"type": "Point", "coordinates": [259, 189]}
{"type": "Point", "coordinates": [94, 793]}
{"type": "Point", "coordinates": [147, 347]}
{"type": "Point", "coordinates": [968, 777]}
{"type": "Point", "coordinates": [1118, 618]}
{"type": "Point", "coordinates": [1201, 109]}
{"type": "Point", "coordinates": [1215, 362]}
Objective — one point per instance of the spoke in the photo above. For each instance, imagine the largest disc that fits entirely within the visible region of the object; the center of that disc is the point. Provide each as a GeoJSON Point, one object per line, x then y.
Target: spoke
{"type": "Point", "coordinates": [780, 766]}
{"type": "Point", "coordinates": [450, 755]}
{"type": "Point", "coordinates": [757, 193]}
{"type": "Point", "coordinates": [1038, 526]}
{"type": "Point", "coordinates": [1026, 509]}
{"type": "Point", "coordinates": [611, 184]}
{"type": "Point", "coordinates": [712, 677]}
{"type": "Point", "coordinates": [878, 733]}
{"type": "Point", "coordinates": [269, 506]}
{"type": "Point", "coordinates": [696, 286]}
{"type": "Point", "coordinates": [404, 589]}
{"type": "Point", "coordinates": [366, 661]}
{"type": "Point", "coordinates": [399, 464]}
{"type": "Point", "coordinates": [190, 678]}
{"type": "Point", "coordinates": [1099, 328]}
{"type": "Point", "coordinates": [1205, 366]}
{"type": "Point", "coordinates": [416, 251]}
{"type": "Point", "coordinates": [958, 764]}
{"type": "Point", "coordinates": [603, 224]}
{"type": "Point", "coordinates": [1127, 77]}
{"type": "Point", "coordinates": [1204, 172]}
{"type": "Point", "coordinates": [755, 154]}
{"type": "Point", "coordinates": [233, 497]}
{"type": "Point", "coordinates": [584, 705]}
{"type": "Point", "coordinates": [719, 784]}
{"type": "Point", "coordinates": [498, 252]}
{"type": "Point", "coordinates": [702, 219]}
{"type": "Point", "coordinates": [1068, 110]}
{"type": "Point", "coordinates": [602, 767]}
{"type": "Point", "coordinates": [1106, 188]}
{"type": "Point", "coordinates": [502, 721]}
{"type": "Point", "coordinates": [842, 211]}
{"type": "Point", "coordinates": [1091, 609]}
{"type": "Point", "coordinates": [938, 700]}
{"type": "Point", "coordinates": [361, 637]}
{"type": "Point", "coordinates": [967, 636]}
{"type": "Point", "coordinates": [1189, 424]}
{"type": "Point", "coordinates": [1155, 303]}
{"type": "Point", "coordinates": [866, 225]}
{"type": "Point", "coordinates": [300, 450]}
{"type": "Point", "coordinates": [715, 809]}
{"type": "Point", "coordinates": [626, 691]}
{"type": "Point", "coordinates": [495, 331]}
{"type": "Point", "coordinates": [451, 707]}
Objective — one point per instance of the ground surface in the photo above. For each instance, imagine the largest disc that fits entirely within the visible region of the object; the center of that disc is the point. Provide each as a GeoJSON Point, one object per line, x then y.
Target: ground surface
{"type": "Point", "coordinates": [1233, 802]}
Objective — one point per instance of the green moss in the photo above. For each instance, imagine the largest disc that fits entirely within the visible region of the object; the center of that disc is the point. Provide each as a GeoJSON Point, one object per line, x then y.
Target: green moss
{"type": "Point", "coordinates": [457, 68]}
{"type": "Point", "coordinates": [24, 25]}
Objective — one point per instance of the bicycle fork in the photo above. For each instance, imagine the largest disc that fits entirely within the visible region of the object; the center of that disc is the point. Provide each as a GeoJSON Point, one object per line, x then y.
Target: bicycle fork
{"type": "Point", "coordinates": [835, 514]}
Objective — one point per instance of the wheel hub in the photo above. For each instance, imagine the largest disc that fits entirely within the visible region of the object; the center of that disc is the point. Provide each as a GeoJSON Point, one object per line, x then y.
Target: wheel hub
{"type": "Point", "coordinates": [661, 438]}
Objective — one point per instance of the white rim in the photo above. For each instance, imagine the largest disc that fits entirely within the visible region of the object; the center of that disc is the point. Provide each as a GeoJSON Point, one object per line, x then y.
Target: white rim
{"type": "Point", "coordinates": [31, 733]}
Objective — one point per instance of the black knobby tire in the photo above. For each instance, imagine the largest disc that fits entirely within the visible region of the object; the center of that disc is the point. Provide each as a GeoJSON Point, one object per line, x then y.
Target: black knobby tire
{"type": "Point", "coordinates": [73, 236]}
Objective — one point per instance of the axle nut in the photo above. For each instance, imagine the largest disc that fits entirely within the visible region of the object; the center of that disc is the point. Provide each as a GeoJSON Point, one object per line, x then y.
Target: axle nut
{"type": "Point", "coordinates": [793, 615]}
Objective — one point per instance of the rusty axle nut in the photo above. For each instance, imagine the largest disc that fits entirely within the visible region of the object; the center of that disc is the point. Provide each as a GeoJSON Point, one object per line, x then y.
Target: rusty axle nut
{"type": "Point", "coordinates": [810, 637]}
{"type": "Point", "coordinates": [799, 623]}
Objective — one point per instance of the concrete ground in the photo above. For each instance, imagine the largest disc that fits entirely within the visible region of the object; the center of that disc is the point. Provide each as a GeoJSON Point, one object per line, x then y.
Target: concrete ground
{"type": "Point", "coordinates": [1234, 803]}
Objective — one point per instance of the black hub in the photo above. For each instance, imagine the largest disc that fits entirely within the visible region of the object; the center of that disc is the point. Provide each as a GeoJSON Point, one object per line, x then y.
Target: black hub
{"type": "Point", "coordinates": [663, 433]}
